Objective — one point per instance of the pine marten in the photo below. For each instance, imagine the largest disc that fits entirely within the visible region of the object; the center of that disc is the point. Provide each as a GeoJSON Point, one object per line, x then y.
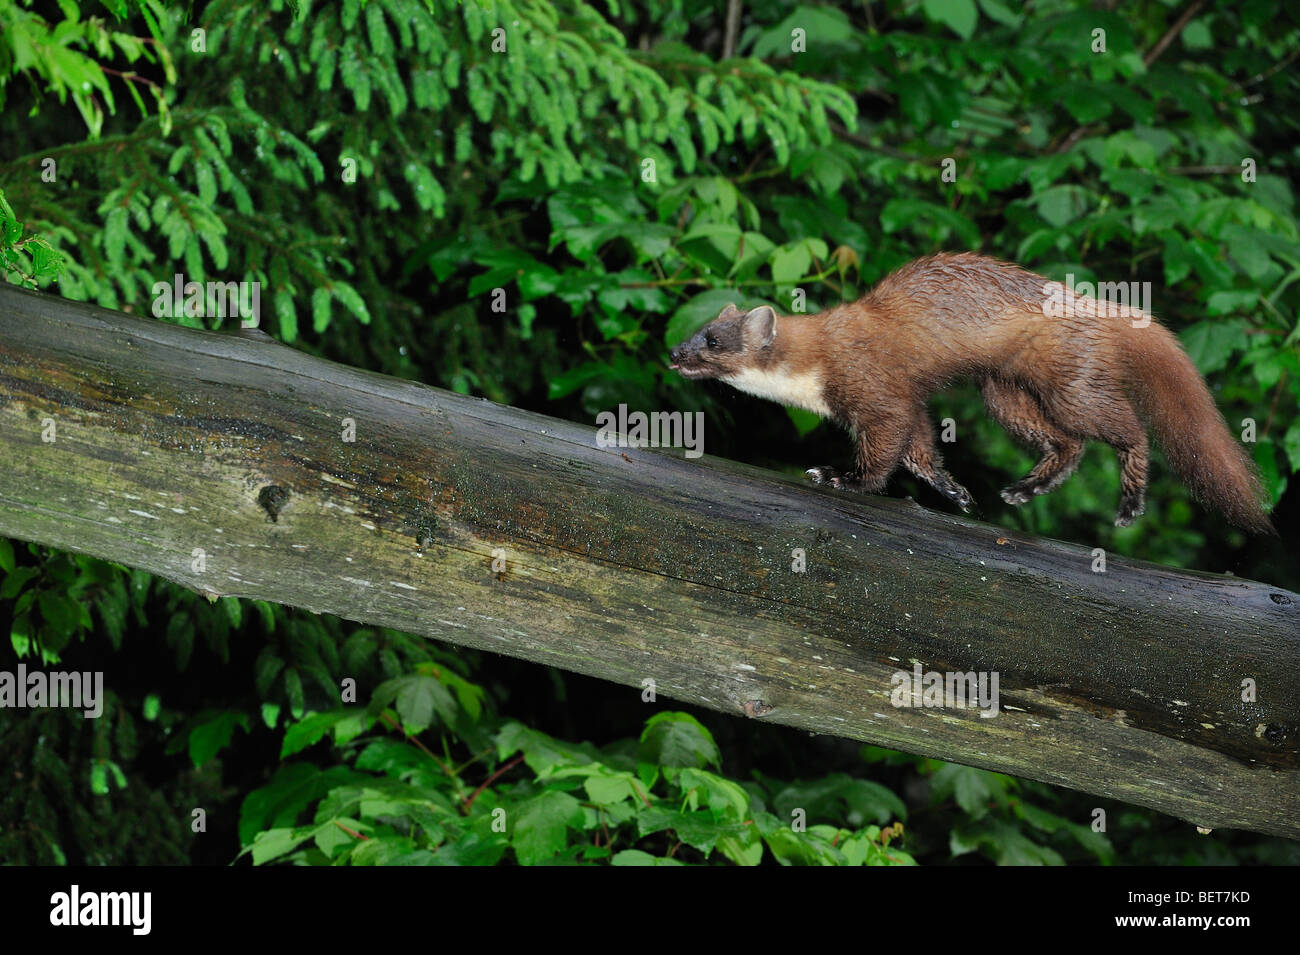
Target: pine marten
{"type": "Point", "coordinates": [1054, 377]}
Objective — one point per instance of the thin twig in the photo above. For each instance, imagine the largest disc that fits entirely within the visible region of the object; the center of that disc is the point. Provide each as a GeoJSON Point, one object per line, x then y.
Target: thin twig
{"type": "Point", "coordinates": [491, 779]}
{"type": "Point", "coordinates": [733, 29]}
{"type": "Point", "coordinates": [1154, 53]}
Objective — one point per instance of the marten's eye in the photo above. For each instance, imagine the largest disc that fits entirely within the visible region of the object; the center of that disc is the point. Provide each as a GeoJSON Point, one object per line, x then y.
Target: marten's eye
{"type": "Point", "coordinates": [711, 341]}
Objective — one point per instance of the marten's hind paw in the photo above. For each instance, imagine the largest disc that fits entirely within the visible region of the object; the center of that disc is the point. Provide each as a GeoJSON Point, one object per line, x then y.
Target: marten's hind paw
{"type": "Point", "coordinates": [1022, 492]}
{"type": "Point", "coordinates": [1129, 511]}
{"type": "Point", "coordinates": [832, 477]}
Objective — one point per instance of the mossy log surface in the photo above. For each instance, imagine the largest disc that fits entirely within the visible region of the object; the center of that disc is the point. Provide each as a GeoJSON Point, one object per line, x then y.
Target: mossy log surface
{"type": "Point", "coordinates": [223, 462]}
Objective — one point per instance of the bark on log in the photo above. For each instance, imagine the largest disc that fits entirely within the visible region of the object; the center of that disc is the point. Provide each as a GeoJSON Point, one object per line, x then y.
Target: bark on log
{"type": "Point", "coordinates": [631, 564]}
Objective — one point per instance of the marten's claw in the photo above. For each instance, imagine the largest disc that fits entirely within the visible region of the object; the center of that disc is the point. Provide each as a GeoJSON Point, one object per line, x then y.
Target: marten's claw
{"type": "Point", "coordinates": [832, 477]}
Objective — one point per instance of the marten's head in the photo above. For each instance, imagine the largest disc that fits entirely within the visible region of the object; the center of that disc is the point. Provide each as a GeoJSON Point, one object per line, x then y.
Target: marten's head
{"type": "Point", "coordinates": [729, 344]}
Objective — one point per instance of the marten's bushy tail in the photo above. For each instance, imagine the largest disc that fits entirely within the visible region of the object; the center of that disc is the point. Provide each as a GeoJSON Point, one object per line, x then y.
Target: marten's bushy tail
{"type": "Point", "coordinates": [1191, 431]}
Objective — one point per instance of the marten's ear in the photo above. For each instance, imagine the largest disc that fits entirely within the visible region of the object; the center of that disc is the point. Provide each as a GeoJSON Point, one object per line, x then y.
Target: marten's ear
{"type": "Point", "coordinates": [761, 324]}
{"type": "Point", "coordinates": [729, 310]}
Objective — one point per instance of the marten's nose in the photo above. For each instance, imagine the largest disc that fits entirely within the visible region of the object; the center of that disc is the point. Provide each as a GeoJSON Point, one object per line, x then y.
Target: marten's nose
{"type": "Point", "coordinates": [676, 354]}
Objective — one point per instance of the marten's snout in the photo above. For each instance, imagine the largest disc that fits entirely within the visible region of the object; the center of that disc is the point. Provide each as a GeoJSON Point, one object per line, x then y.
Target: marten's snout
{"type": "Point", "coordinates": [686, 359]}
{"type": "Point", "coordinates": [684, 356]}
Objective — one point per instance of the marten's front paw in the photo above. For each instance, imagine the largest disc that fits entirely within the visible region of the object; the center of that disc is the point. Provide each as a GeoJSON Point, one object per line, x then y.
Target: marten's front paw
{"type": "Point", "coordinates": [831, 477]}
{"type": "Point", "coordinates": [960, 496]}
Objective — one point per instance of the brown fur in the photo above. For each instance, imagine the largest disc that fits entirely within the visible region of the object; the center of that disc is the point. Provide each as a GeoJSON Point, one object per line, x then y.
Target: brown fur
{"type": "Point", "coordinates": [1053, 382]}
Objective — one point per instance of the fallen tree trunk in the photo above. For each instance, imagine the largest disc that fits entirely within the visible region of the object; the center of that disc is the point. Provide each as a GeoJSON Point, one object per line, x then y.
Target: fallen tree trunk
{"type": "Point", "coordinates": [223, 463]}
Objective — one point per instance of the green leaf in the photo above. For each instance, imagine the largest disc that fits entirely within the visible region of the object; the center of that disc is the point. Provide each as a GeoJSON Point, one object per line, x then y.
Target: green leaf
{"type": "Point", "coordinates": [293, 689]}
{"type": "Point", "coordinates": [928, 218]}
{"type": "Point", "coordinates": [792, 848]}
{"type": "Point", "coordinates": [61, 616]}
{"type": "Point", "coordinates": [20, 634]}
{"type": "Point", "coordinates": [212, 734]}
{"type": "Point", "coordinates": [234, 611]}
{"type": "Point", "coordinates": [320, 308]}
{"type": "Point", "coordinates": [790, 263]}
{"type": "Point", "coordinates": [286, 797]}
{"type": "Point", "coordinates": [974, 790]}
{"type": "Point", "coordinates": [996, 10]}
{"type": "Point", "coordinates": [1211, 345]}
{"type": "Point", "coordinates": [604, 786]}
{"type": "Point", "coordinates": [1291, 444]}
{"type": "Point", "coordinates": [99, 778]}
{"type": "Point", "coordinates": [1196, 35]}
{"type": "Point", "coordinates": [309, 730]}
{"type": "Point", "coordinates": [1061, 205]}
{"type": "Point", "coordinates": [958, 15]}
{"type": "Point", "coordinates": [677, 739]}
{"type": "Point", "coordinates": [743, 849]}
{"type": "Point", "coordinates": [839, 796]}
{"type": "Point", "coordinates": [15, 580]}
{"type": "Point", "coordinates": [542, 824]}
{"type": "Point", "coordinates": [1232, 300]}
{"type": "Point", "coordinates": [1005, 843]}
{"type": "Point", "coordinates": [416, 697]}
{"type": "Point", "coordinates": [113, 606]}
{"type": "Point", "coordinates": [575, 378]}
{"type": "Point", "coordinates": [542, 754]}
{"type": "Point", "coordinates": [277, 842]}
{"type": "Point", "coordinates": [265, 669]}
{"type": "Point", "coordinates": [700, 829]}
{"type": "Point", "coordinates": [353, 301]}
{"type": "Point", "coordinates": [637, 857]}
{"type": "Point", "coordinates": [288, 316]}
{"type": "Point", "coordinates": [726, 799]}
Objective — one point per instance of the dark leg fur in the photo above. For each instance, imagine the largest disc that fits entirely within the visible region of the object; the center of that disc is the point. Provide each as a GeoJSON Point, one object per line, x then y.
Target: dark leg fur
{"type": "Point", "coordinates": [1113, 420]}
{"type": "Point", "coordinates": [1133, 482]}
{"type": "Point", "coordinates": [886, 443]}
{"type": "Point", "coordinates": [1108, 416]}
{"type": "Point", "coordinates": [1019, 412]}
{"type": "Point", "coordinates": [880, 446]}
{"type": "Point", "coordinates": [922, 458]}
